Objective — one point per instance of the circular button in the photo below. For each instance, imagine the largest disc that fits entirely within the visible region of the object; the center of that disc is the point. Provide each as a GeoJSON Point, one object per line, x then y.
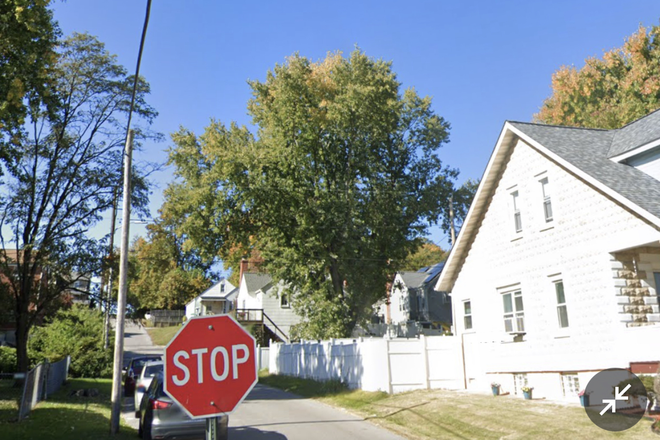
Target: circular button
{"type": "Point", "coordinates": [616, 399]}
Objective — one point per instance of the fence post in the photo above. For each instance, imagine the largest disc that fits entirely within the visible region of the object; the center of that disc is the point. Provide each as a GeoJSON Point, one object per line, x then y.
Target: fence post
{"type": "Point", "coordinates": [425, 359]}
{"type": "Point", "coordinates": [389, 367]}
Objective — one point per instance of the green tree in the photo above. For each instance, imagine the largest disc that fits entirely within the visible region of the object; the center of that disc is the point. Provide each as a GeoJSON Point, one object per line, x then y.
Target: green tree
{"type": "Point", "coordinates": [610, 92]}
{"type": "Point", "coordinates": [163, 275]}
{"type": "Point", "coordinates": [64, 179]}
{"type": "Point", "coordinates": [426, 255]}
{"type": "Point", "coordinates": [28, 36]}
{"type": "Point", "coordinates": [76, 333]}
{"type": "Point", "coordinates": [339, 182]}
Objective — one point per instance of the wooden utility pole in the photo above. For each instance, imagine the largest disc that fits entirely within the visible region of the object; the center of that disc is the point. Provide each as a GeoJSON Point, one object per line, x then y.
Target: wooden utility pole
{"type": "Point", "coordinates": [108, 284]}
{"type": "Point", "coordinates": [123, 289]}
{"type": "Point", "coordinates": [452, 232]}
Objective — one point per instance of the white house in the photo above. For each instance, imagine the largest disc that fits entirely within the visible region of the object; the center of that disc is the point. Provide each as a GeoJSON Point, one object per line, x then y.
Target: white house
{"type": "Point", "coordinates": [217, 299]}
{"type": "Point", "coordinates": [555, 273]}
{"type": "Point", "coordinates": [261, 301]}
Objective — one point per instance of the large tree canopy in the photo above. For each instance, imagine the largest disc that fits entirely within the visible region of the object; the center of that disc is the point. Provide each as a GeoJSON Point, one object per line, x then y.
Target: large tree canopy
{"type": "Point", "coordinates": [64, 178]}
{"type": "Point", "coordinates": [336, 187]}
{"type": "Point", "coordinates": [28, 36]}
{"type": "Point", "coordinates": [610, 92]}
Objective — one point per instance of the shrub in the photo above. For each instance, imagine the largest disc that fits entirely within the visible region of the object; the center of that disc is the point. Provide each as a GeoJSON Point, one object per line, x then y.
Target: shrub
{"type": "Point", "coordinates": [8, 360]}
{"type": "Point", "coordinates": [78, 333]}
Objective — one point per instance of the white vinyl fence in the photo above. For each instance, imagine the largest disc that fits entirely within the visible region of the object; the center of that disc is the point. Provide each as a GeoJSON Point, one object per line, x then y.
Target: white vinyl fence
{"type": "Point", "coordinates": [390, 365]}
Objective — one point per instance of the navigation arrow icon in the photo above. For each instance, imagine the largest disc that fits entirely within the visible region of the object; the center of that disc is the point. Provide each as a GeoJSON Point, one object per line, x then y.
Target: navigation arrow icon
{"type": "Point", "coordinates": [611, 403]}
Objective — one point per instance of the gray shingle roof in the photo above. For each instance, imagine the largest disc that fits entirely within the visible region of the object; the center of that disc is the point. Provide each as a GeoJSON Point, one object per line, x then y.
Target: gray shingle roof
{"type": "Point", "coordinates": [256, 281]}
{"type": "Point", "coordinates": [636, 134]}
{"type": "Point", "coordinates": [588, 150]}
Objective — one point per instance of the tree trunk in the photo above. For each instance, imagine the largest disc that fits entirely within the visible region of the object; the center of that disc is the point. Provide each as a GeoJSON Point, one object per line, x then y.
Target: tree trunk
{"type": "Point", "coordinates": [22, 330]}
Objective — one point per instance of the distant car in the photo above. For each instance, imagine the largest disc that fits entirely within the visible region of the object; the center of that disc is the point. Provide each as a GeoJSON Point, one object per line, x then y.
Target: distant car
{"type": "Point", "coordinates": [144, 379]}
{"type": "Point", "coordinates": [163, 418]}
{"type": "Point", "coordinates": [133, 370]}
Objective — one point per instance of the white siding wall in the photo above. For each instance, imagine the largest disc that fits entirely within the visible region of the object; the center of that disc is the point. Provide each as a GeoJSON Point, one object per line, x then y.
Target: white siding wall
{"type": "Point", "coordinates": [587, 226]}
{"type": "Point", "coordinates": [283, 317]}
{"type": "Point", "coordinates": [399, 306]}
{"type": "Point", "coordinates": [245, 300]}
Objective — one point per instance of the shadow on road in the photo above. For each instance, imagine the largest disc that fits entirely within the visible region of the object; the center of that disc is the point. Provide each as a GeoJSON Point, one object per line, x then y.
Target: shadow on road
{"type": "Point", "coordinates": [243, 433]}
{"type": "Point", "coordinates": [264, 392]}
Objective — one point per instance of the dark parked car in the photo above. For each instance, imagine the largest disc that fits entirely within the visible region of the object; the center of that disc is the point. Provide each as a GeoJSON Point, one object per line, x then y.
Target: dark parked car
{"type": "Point", "coordinates": [133, 370]}
{"type": "Point", "coordinates": [163, 418]}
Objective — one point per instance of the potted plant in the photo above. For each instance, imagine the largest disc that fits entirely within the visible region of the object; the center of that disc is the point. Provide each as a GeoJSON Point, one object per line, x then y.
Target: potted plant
{"type": "Point", "coordinates": [495, 387]}
{"type": "Point", "coordinates": [527, 392]}
{"type": "Point", "coordinates": [584, 398]}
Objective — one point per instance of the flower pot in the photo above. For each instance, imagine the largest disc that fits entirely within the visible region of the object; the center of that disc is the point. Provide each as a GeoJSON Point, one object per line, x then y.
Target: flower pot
{"type": "Point", "coordinates": [527, 394]}
{"type": "Point", "coordinates": [496, 391]}
{"type": "Point", "coordinates": [584, 400]}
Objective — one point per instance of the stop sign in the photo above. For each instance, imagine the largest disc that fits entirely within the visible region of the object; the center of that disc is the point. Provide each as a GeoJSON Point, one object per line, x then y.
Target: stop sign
{"type": "Point", "coordinates": [210, 365]}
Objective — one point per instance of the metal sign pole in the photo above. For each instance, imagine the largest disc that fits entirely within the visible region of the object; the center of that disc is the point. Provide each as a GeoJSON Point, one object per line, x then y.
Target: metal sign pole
{"type": "Point", "coordinates": [212, 428]}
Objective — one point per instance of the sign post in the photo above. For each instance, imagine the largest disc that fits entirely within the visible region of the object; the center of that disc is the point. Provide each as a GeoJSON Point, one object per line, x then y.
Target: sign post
{"type": "Point", "coordinates": [210, 366]}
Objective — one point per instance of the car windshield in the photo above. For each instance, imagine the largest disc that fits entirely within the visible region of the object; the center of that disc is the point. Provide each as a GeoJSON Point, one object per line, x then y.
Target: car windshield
{"type": "Point", "coordinates": [152, 370]}
{"type": "Point", "coordinates": [138, 364]}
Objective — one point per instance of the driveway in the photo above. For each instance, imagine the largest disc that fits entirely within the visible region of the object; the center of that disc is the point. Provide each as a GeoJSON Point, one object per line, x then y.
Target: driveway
{"type": "Point", "coordinates": [268, 413]}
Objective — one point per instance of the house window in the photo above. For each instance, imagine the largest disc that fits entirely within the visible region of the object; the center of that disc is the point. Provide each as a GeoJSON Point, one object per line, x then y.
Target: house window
{"type": "Point", "coordinates": [562, 312]}
{"type": "Point", "coordinates": [547, 203]}
{"type": "Point", "coordinates": [516, 211]}
{"type": "Point", "coordinates": [222, 288]}
{"type": "Point", "coordinates": [570, 384]}
{"type": "Point", "coordinates": [514, 316]}
{"type": "Point", "coordinates": [467, 315]}
{"type": "Point", "coordinates": [519, 381]}
{"type": "Point", "coordinates": [284, 301]}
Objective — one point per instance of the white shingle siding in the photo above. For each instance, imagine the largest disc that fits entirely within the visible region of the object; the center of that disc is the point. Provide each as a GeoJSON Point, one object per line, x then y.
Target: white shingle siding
{"type": "Point", "coordinates": [577, 245]}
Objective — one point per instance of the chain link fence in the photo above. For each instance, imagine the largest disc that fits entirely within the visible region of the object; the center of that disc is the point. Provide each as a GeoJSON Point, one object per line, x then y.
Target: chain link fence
{"type": "Point", "coordinates": [41, 382]}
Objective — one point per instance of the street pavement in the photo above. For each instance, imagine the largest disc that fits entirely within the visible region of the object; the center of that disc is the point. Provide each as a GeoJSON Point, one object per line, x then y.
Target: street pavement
{"type": "Point", "coordinates": [268, 413]}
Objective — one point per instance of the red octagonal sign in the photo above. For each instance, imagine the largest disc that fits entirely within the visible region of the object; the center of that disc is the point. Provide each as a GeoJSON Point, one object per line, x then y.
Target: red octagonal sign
{"type": "Point", "coordinates": [210, 365]}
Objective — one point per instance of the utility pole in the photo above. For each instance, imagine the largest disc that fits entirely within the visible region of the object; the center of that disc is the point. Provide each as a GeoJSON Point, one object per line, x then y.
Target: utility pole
{"type": "Point", "coordinates": [123, 288]}
{"type": "Point", "coordinates": [123, 259]}
{"type": "Point", "coordinates": [111, 255]}
{"type": "Point", "coordinates": [451, 220]}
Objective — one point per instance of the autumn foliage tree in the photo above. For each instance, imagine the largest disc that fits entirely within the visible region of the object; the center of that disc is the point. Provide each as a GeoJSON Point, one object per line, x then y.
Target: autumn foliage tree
{"type": "Point", "coordinates": [337, 185]}
{"type": "Point", "coordinates": [611, 91]}
{"type": "Point", "coordinates": [162, 274]}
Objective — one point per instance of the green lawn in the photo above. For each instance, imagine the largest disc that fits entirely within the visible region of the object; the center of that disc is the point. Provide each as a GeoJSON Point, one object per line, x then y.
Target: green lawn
{"type": "Point", "coordinates": [162, 335]}
{"type": "Point", "coordinates": [63, 416]}
{"type": "Point", "coordinates": [440, 414]}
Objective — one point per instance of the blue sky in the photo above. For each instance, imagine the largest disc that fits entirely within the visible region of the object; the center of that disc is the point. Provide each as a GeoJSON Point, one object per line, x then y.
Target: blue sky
{"type": "Point", "coordinates": [483, 62]}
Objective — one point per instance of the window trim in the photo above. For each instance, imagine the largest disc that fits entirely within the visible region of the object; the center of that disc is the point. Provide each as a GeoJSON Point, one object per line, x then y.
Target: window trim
{"type": "Point", "coordinates": [517, 215]}
{"type": "Point", "coordinates": [547, 199]}
{"type": "Point", "coordinates": [467, 315]}
{"type": "Point", "coordinates": [515, 316]}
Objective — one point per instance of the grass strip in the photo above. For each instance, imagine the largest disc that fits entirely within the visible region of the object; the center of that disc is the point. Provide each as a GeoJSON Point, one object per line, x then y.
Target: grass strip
{"type": "Point", "coordinates": [459, 415]}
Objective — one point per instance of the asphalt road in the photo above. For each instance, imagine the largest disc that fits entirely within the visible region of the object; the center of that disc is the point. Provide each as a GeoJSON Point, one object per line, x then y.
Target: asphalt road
{"type": "Point", "coordinates": [268, 413]}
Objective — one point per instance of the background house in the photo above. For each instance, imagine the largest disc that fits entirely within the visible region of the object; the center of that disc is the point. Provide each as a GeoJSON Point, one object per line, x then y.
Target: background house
{"type": "Point", "coordinates": [415, 303]}
{"type": "Point", "coordinates": [262, 302]}
{"type": "Point", "coordinates": [217, 299]}
{"type": "Point", "coordinates": [556, 271]}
